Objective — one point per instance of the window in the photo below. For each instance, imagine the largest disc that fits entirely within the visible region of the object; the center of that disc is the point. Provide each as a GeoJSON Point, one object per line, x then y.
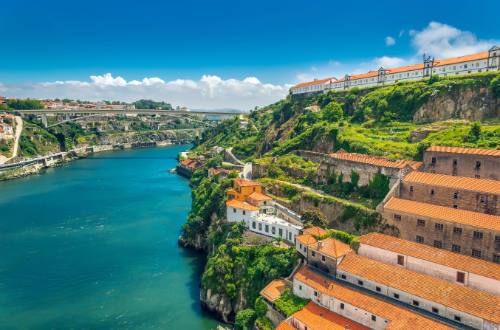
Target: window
{"type": "Point", "coordinates": [455, 206]}
{"type": "Point", "coordinates": [460, 277]}
{"type": "Point", "coordinates": [420, 223]}
{"type": "Point", "coordinates": [457, 318]}
{"type": "Point", "coordinates": [374, 318]}
{"type": "Point", "coordinates": [267, 229]}
{"type": "Point", "coordinates": [415, 303]}
{"type": "Point", "coordinates": [343, 276]}
{"type": "Point", "coordinates": [411, 189]}
{"type": "Point", "coordinates": [244, 212]}
{"type": "Point", "coordinates": [273, 230]}
{"type": "Point", "coordinates": [360, 282]}
{"type": "Point", "coordinates": [438, 244]}
{"type": "Point", "coordinates": [455, 162]}
{"type": "Point", "coordinates": [253, 224]}
{"type": "Point", "coordinates": [455, 248]}
{"type": "Point", "coordinates": [432, 192]}
{"type": "Point", "coordinates": [280, 232]}
{"type": "Point", "coordinates": [300, 287]}
{"type": "Point", "coordinates": [313, 253]}
{"type": "Point", "coordinates": [435, 310]}
{"type": "Point", "coordinates": [342, 306]}
{"type": "Point", "coordinates": [457, 230]}
{"type": "Point", "coordinates": [260, 226]}
{"type": "Point", "coordinates": [323, 258]}
{"type": "Point", "coordinates": [401, 260]}
{"type": "Point", "coordinates": [397, 217]}
{"type": "Point", "coordinates": [478, 235]}
{"type": "Point", "coordinates": [396, 296]}
{"type": "Point", "coordinates": [476, 253]}
{"type": "Point", "coordinates": [420, 239]}
{"type": "Point", "coordinates": [439, 226]}
{"type": "Point", "coordinates": [234, 210]}
{"type": "Point", "coordinates": [378, 289]}
{"type": "Point", "coordinates": [455, 195]}
{"type": "Point", "coordinates": [478, 165]}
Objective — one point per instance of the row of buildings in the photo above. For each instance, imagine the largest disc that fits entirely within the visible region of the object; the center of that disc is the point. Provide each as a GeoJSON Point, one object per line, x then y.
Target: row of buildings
{"type": "Point", "coordinates": [438, 269]}
{"type": "Point", "coordinates": [388, 283]}
{"type": "Point", "coordinates": [480, 62]}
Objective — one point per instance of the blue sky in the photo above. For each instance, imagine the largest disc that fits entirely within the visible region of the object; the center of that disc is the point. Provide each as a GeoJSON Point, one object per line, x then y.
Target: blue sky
{"type": "Point", "coordinates": [278, 42]}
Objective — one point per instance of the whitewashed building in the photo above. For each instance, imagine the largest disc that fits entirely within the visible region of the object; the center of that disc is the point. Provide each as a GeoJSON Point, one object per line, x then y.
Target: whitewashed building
{"type": "Point", "coordinates": [480, 62]}
{"type": "Point", "coordinates": [452, 267]}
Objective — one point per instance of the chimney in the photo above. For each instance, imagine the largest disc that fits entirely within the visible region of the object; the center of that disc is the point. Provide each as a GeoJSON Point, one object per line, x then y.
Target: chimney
{"type": "Point", "coordinates": [320, 243]}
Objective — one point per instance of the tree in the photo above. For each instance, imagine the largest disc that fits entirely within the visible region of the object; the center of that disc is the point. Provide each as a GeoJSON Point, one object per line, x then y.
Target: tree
{"type": "Point", "coordinates": [245, 319]}
{"type": "Point", "coordinates": [314, 218]}
{"type": "Point", "coordinates": [475, 132]}
{"type": "Point", "coordinates": [354, 179]}
{"type": "Point", "coordinates": [260, 307]}
{"type": "Point", "coordinates": [333, 112]}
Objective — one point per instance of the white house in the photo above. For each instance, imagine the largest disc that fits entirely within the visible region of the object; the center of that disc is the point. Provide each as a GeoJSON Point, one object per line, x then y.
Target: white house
{"type": "Point", "coordinates": [238, 211]}
{"type": "Point", "coordinates": [367, 310]}
{"type": "Point", "coordinates": [453, 267]}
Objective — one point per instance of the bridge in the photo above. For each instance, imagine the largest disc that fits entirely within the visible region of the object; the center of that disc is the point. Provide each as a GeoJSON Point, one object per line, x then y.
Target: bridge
{"type": "Point", "coordinates": [82, 113]}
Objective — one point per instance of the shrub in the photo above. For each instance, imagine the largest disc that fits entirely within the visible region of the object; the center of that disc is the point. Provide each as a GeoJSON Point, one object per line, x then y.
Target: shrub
{"type": "Point", "coordinates": [245, 319]}
{"type": "Point", "coordinates": [288, 303]}
{"type": "Point", "coordinates": [333, 112]}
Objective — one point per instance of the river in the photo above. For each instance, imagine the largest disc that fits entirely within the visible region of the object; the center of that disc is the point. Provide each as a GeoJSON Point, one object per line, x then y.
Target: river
{"type": "Point", "coordinates": [93, 245]}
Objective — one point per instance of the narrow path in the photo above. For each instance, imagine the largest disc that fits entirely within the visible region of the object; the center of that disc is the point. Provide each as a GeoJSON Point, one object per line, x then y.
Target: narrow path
{"type": "Point", "coordinates": [19, 129]}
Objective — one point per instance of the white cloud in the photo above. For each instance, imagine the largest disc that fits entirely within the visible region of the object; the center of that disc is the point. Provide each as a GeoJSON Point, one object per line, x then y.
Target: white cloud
{"type": "Point", "coordinates": [442, 40]}
{"type": "Point", "coordinates": [389, 62]}
{"type": "Point", "coordinates": [209, 91]}
{"type": "Point", "coordinates": [390, 41]}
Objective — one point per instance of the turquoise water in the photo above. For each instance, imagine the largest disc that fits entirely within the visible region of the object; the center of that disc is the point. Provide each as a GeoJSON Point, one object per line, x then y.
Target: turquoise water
{"type": "Point", "coordinates": [93, 245]}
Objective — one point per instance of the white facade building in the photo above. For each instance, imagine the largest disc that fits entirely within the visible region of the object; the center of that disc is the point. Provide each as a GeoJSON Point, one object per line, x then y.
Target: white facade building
{"type": "Point", "coordinates": [452, 267]}
{"type": "Point", "coordinates": [481, 62]}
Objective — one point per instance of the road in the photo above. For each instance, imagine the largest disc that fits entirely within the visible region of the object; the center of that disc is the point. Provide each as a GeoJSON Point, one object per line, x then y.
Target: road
{"type": "Point", "coordinates": [19, 129]}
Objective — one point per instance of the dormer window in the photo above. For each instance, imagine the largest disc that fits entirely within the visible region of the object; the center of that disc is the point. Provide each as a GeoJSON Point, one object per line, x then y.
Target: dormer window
{"type": "Point", "coordinates": [478, 165]}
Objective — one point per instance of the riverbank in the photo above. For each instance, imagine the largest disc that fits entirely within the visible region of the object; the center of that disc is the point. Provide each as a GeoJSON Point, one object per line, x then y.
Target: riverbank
{"type": "Point", "coordinates": [37, 165]}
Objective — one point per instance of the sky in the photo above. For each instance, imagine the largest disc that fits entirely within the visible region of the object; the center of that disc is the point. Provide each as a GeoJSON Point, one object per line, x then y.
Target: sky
{"type": "Point", "coordinates": [222, 53]}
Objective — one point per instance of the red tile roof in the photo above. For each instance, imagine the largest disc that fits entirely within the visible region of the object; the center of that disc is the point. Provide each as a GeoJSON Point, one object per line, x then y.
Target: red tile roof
{"type": "Point", "coordinates": [331, 247]}
{"type": "Point", "coordinates": [461, 59]}
{"type": "Point", "coordinates": [454, 182]}
{"type": "Point", "coordinates": [458, 297]}
{"type": "Point", "coordinates": [398, 317]}
{"type": "Point", "coordinates": [315, 231]}
{"type": "Point", "coordinates": [245, 183]}
{"type": "Point", "coordinates": [432, 254]}
{"type": "Point", "coordinates": [314, 82]}
{"type": "Point", "coordinates": [306, 239]}
{"type": "Point", "coordinates": [466, 151]}
{"type": "Point", "coordinates": [284, 326]}
{"type": "Point", "coordinates": [274, 289]}
{"type": "Point", "coordinates": [241, 205]}
{"type": "Point", "coordinates": [257, 196]}
{"type": "Point", "coordinates": [449, 214]}
{"type": "Point", "coordinates": [318, 318]}
{"type": "Point", "coordinates": [374, 160]}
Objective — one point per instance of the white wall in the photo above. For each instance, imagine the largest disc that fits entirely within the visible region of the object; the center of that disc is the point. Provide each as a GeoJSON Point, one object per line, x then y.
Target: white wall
{"type": "Point", "coordinates": [239, 215]}
{"type": "Point", "coordinates": [436, 270]}
{"type": "Point", "coordinates": [266, 225]}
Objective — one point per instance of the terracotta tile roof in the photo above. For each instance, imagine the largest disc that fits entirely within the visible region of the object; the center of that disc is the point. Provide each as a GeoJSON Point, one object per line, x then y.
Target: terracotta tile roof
{"type": "Point", "coordinates": [432, 254]}
{"type": "Point", "coordinates": [245, 183]}
{"type": "Point", "coordinates": [186, 162]}
{"type": "Point", "coordinates": [373, 160]}
{"type": "Point", "coordinates": [368, 74]}
{"type": "Point", "coordinates": [316, 231]}
{"type": "Point", "coordinates": [241, 205]}
{"type": "Point", "coordinates": [461, 59]}
{"type": "Point", "coordinates": [454, 182]}
{"type": "Point", "coordinates": [398, 317]}
{"type": "Point", "coordinates": [257, 196]}
{"type": "Point", "coordinates": [273, 290]}
{"type": "Point", "coordinates": [473, 302]}
{"type": "Point", "coordinates": [318, 318]}
{"type": "Point", "coordinates": [449, 214]}
{"type": "Point", "coordinates": [314, 82]}
{"type": "Point", "coordinates": [466, 151]}
{"type": "Point", "coordinates": [407, 68]}
{"type": "Point", "coordinates": [306, 239]}
{"type": "Point", "coordinates": [331, 247]}
{"type": "Point", "coordinates": [284, 326]}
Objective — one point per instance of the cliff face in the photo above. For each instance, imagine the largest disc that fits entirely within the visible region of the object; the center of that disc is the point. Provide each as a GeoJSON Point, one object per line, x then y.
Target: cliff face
{"type": "Point", "coordinates": [467, 103]}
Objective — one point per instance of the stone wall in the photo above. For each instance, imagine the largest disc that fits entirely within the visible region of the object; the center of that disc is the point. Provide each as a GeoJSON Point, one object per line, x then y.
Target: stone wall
{"type": "Point", "coordinates": [468, 165]}
{"type": "Point", "coordinates": [465, 199]}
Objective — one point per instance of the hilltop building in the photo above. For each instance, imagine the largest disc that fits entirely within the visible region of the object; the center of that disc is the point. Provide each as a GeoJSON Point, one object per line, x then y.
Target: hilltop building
{"type": "Point", "coordinates": [480, 62]}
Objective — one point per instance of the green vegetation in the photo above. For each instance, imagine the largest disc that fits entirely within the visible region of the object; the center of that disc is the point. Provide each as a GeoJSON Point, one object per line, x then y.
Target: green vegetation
{"type": "Point", "coordinates": [289, 167]}
{"type": "Point", "coordinates": [22, 104]}
{"type": "Point", "coordinates": [288, 303]}
{"type": "Point", "coordinates": [150, 104]}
